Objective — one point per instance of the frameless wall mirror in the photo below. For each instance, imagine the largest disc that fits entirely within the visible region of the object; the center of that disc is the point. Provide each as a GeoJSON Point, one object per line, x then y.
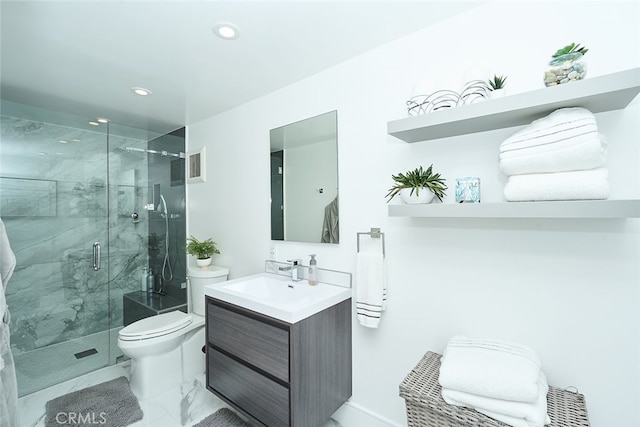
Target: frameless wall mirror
{"type": "Point", "coordinates": [304, 180]}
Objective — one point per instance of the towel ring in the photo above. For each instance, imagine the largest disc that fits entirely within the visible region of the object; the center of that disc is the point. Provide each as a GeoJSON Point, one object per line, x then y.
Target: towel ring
{"type": "Point", "coordinates": [375, 234]}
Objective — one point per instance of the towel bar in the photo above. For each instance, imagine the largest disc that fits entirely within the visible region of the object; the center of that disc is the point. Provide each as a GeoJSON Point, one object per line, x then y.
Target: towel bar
{"type": "Point", "coordinates": [375, 233]}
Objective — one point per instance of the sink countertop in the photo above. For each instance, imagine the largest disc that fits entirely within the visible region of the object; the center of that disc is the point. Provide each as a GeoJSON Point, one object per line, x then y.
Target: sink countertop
{"type": "Point", "coordinates": [277, 296]}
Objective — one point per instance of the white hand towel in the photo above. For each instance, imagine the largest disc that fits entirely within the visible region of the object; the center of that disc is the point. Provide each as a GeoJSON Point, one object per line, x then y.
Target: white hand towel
{"type": "Point", "coordinates": [561, 133]}
{"type": "Point", "coordinates": [8, 385]}
{"type": "Point", "coordinates": [370, 288]}
{"type": "Point", "coordinates": [535, 413]}
{"type": "Point", "coordinates": [563, 120]}
{"type": "Point", "coordinates": [562, 115]}
{"type": "Point", "coordinates": [7, 258]}
{"type": "Point", "coordinates": [492, 368]}
{"type": "Point", "coordinates": [494, 345]}
{"type": "Point", "coordinates": [552, 146]}
{"type": "Point", "coordinates": [549, 135]}
{"type": "Point", "coordinates": [512, 421]}
{"type": "Point", "coordinates": [589, 154]}
{"type": "Point", "coordinates": [7, 265]}
{"type": "Point", "coordinates": [574, 185]}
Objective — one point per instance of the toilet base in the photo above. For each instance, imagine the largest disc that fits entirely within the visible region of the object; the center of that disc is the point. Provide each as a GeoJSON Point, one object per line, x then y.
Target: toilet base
{"type": "Point", "coordinates": [193, 359]}
{"type": "Point", "coordinates": [155, 374]}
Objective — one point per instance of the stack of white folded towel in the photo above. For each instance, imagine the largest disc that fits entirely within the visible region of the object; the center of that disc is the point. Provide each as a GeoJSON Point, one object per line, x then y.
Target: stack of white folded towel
{"type": "Point", "coordinates": [502, 380]}
{"type": "Point", "coordinates": [558, 157]}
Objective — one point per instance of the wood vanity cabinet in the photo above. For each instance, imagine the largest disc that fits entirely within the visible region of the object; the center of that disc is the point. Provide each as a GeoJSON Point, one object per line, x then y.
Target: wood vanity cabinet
{"type": "Point", "coordinates": [276, 373]}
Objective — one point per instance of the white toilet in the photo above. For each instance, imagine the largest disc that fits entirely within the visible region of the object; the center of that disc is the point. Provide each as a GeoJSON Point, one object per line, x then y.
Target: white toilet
{"type": "Point", "coordinates": [166, 349]}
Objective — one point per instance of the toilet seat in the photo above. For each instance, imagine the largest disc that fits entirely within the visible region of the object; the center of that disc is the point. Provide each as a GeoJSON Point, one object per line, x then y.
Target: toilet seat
{"type": "Point", "coordinates": [155, 326]}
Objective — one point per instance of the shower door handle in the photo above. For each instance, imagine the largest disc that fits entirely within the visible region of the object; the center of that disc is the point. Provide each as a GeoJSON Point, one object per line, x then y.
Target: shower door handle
{"type": "Point", "coordinates": [97, 250]}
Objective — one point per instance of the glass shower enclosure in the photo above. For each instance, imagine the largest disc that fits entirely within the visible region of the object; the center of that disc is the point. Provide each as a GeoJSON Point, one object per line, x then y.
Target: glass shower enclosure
{"type": "Point", "coordinates": [74, 198]}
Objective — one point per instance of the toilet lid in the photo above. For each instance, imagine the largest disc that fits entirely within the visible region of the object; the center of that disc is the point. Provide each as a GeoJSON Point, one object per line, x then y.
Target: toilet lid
{"type": "Point", "coordinates": [155, 326]}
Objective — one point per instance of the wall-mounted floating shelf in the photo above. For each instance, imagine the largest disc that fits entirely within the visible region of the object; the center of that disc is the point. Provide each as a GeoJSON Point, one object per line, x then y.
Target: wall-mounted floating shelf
{"type": "Point", "coordinates": [597, 94]}
{"type": "Point", "coordinates": [562, 209]}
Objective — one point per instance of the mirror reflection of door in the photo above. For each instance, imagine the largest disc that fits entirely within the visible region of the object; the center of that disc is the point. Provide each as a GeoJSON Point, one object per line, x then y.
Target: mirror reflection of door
{"type": "Point", "coordinates": [277, 196]}
{"type": "Point", "coordinates": [306, 184]}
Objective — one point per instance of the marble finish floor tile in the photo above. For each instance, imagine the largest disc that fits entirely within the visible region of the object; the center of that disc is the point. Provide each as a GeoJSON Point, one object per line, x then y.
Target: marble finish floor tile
{"type": "Point", "coordinates": [184, 406]}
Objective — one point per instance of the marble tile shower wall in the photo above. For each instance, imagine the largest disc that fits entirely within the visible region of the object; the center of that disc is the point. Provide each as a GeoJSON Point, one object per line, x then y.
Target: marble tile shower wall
{"type": "Point", "coordinates": [166, 174]}
{"type": "Point", "coordinates": [54, 294]}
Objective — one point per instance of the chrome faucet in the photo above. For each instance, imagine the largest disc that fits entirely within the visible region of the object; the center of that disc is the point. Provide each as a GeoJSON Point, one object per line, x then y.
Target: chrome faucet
{"type": "Point", "coordinates": [296, 268]}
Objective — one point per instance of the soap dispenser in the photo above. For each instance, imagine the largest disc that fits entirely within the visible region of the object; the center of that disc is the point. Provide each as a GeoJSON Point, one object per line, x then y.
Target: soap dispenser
{"type": "Point", "coordinates": [143, 279]}
{"type": "Point", "coordinates": [313, 270]}
{"type": "Point", "coordinates": [150, 281]}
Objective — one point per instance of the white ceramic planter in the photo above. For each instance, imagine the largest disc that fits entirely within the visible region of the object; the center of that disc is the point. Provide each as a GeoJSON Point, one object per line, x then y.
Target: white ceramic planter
{"type": "Point", "coordinates": [425, 195]}
{"type": "Point", "coordinates": [497, 93]}
{"type": "Point", "coordinates": [203, 263]}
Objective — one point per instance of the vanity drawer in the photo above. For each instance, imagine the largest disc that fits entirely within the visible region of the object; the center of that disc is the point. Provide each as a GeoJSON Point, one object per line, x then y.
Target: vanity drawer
{"type": "Point", "coordinates": [260, 344]}
{"type": "Point", "coordinates": [262, 398]}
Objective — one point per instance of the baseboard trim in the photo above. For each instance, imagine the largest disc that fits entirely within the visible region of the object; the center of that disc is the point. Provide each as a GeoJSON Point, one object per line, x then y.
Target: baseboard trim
{"type": "Point", "coordinates": [352, 414]}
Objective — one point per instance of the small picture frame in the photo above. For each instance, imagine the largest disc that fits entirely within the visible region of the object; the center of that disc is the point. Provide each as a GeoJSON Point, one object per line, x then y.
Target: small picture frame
{"type": "Point", "coordinates": [196, 166]}
{"type": "Point", "coordinates": [468, 189]}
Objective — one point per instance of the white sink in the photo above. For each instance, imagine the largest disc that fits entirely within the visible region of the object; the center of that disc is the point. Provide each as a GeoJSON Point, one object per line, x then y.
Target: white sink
{"type": "Point", "coordinates": [278, 296]}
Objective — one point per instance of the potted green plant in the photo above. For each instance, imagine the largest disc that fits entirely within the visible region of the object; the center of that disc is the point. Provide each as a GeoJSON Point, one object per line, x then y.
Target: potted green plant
{"type": "Point", "coordinates": [496, 86]}
{"type": "Point", "coordinates": [566, 65]}
{"type": "Point", "coordinates": [418, 186]}
{"type": "Point", "coordinates": [202, 250]}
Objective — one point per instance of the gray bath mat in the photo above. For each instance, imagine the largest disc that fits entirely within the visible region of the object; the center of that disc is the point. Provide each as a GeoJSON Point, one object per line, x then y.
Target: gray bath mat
{"type": "Point", "coordinates": [224, 417]}
{"type": "Point", "coordinates": [110, 404]}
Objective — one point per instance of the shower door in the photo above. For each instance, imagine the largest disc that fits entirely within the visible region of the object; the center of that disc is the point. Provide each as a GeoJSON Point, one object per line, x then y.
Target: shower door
{"type": "Point", "coordinates": [54, 201]}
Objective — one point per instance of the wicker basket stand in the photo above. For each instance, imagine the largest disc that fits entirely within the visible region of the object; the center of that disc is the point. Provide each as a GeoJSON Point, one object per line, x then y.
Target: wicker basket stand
{"type": "Point", "coordinates": [426, 408]}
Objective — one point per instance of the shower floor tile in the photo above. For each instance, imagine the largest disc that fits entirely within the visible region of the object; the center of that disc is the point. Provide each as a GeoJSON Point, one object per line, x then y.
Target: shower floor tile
{"type": "Point", "coordinates": [62, 363]}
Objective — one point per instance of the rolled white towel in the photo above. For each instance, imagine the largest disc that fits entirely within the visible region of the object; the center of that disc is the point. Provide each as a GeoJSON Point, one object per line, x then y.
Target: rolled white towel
{"type": "Point", "coordinates": [573, 185]}
{"type": "Point", "coordinates": [535, 413]}
{"type": "Point", "coordinates": [490, 368]}
{"type": "Point", "coordinates": [590, 153]}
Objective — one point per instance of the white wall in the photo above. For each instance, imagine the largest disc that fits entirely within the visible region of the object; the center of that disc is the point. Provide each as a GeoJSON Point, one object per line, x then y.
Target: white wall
{"type": "Point", "coordinates": [568, 288]}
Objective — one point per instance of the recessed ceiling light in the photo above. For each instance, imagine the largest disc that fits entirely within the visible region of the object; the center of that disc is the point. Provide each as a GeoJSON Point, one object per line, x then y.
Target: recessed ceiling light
{"type": "Point", "coordinates": [62, 141]}
{"type": "Point", "coordinates": [101, 120]}
{"type": "Point", "coordinates": [226, 30]}
{"type": "Point", "coordinates": [141, 91]}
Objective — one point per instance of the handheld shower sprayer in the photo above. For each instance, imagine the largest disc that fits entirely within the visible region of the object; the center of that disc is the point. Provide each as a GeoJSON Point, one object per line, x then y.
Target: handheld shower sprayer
{"type": "Point", "coordinates": [162, 207]}
{"type": "Point", "coordinates": [166, 264]}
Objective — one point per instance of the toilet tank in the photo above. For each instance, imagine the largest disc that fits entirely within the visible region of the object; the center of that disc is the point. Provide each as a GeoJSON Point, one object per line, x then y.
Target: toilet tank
{"type": "Point", "coordinates": [198, 279]}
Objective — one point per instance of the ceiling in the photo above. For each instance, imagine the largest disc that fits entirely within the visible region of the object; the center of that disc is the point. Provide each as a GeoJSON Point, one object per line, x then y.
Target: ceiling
{"type": "Point", "coordinates": [83, 57]}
